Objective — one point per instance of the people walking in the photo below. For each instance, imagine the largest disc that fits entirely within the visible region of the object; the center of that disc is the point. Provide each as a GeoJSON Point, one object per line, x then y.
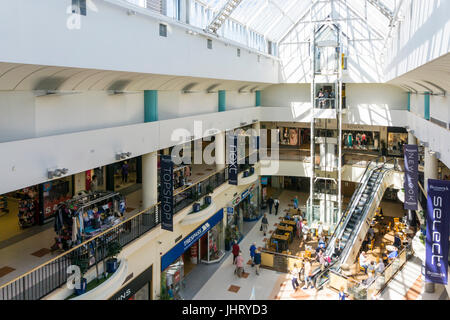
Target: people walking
{"type": "Point", "coordinates": [235, 251]}
{"type": "Point", "coordinates": [257, 261]}
{"type": "Point", "coordinates": [239, 264]}
{"type": "Point", "coordinates": [270, 203]}
{"type": "Point", "coordinates": [252, 253]}
{"type": "Point", "coordinates": [342, 294]}
{"type": "Point", "coordinates": [296, 203]}
{"type": "Point", "coordinates": [307, 274]}
{"type": "Point", "coordinates": [264, 224]}
{"type": "Point", "coordinates": [294, 277]}
{"type": "Point", "coordinates": [125, 172]}
{"type": "Point", "coordinates": [277, 204]}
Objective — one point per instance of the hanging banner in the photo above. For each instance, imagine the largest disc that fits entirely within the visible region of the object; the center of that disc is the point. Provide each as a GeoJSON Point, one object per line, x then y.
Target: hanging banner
{"type": "Point", "coordinates": [166, 193]}
{"type": "Point", "coordinates": [411, 176]}
{"type": "Point", "coordinates": [232, 160]}
{"type": "Point", "coordinates": [438, 210]}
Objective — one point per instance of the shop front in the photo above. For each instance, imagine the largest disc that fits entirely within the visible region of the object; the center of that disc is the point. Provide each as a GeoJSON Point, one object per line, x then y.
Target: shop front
{"type": "Point", "coordinates": [397, 137]}
{"type": "Point", "coordinates": [294, 137]}
{"type": "Point", "coordinates": [124, 174]}
{"type": "Point", "coordinates": [361, 139]}
{"type": "Point", "coordinates": [139, 288]}
{"type": "Point", "coordinates": [203, 245]}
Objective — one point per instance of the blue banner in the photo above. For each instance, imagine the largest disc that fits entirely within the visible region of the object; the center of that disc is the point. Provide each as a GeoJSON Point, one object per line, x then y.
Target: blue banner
{"type": "Point", "coordinates": [187, 242]}
{"type": "Point", "coordinates": [438, 210]}
{"type": "Point", "coordinates": [166, 193]}
{"type": "Point", "coordinates": [411, 176]}
{"type": "Point", "coordinates": [232, 160]}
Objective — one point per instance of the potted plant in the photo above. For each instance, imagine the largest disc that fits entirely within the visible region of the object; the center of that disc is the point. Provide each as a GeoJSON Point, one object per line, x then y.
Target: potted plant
{"type": "Point", "coordinates": [209, 190]}
{"type": "Point", "coordinates": [196, 197]}
{"type": "Point", "coordinates": [114, 249]}
{"type": "Point", "coordinates": [252, 170]}
{"type": "Point", "coordinates": [83, 264]}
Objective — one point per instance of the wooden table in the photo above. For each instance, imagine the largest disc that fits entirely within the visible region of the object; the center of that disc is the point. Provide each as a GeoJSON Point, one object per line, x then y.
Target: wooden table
{"type": "Point", "coordinates": [390, 248]}
{"type": "Point", "coordinates": [283, 239]}
{"type": "Point", "coordinates": [288, 222]}
{"type": "Point", "coordinates": [286, 229]}
{"type": "Point", "coordinates": [376, 230]}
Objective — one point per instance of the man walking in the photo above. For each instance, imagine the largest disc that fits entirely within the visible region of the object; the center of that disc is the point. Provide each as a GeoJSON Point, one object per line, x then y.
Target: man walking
{"type": "Point", "coordinates": [277, 204]}
{"type": "Point", "coordinates": [270, 203]}
{"type": "Point", "coordinates": [264, 224]}
{"type": "Point", "coordinates": [257, 261]}
{"type": "Point", "coordinates": [252, 253]}
{"type": "Point", "coordinates": [294, 277]}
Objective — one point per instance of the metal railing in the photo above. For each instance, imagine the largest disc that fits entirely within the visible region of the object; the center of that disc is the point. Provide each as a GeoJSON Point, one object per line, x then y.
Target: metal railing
{"type": "Point", "coordinates": [42, 280]}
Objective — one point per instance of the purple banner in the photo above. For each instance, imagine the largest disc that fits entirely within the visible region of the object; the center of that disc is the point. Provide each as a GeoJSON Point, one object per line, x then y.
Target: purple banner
{"type": "Point", "coordinates": [166, 179]}
{"type": "Point", "coordinates": [438, 210]}
{"type": "Point", "coordinates": [411, 176]}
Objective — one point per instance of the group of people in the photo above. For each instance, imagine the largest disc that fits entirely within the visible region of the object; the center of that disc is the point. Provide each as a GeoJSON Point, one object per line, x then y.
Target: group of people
{"type": "Point", "coordinates": [324, 99]}
{"type": "Point", "coordinates": [273, 202]}
{"type": "Point", "coordinates": [238, 259]}
{"type": "Point", "coordinates": [371, 267]}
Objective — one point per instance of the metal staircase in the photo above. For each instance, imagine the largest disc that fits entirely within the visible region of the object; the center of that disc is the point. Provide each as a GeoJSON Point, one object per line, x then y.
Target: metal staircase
{"type": "Point", "coordinates": [223, 14]}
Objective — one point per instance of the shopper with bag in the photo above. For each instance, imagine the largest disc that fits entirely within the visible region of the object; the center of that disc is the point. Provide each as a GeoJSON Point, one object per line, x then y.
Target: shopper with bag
{"type": "Point", "coordinates": [239, 265]}
{"type": "Point", "coordinates": [264, 224]}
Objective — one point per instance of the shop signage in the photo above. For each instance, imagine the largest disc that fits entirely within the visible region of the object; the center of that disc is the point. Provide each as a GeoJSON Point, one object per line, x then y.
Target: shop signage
{"type": "Point", "coordinates": [230, 210]}
{"type": "Point", "coordinates": [437, 221]}
{"type": "Point", "coordinates": [411, 176]}
{"type": "Point", "coordinates": [47, 186]}
{"type": "Point", "coordinates": [134, 286]}
{"type": "Point", "coordinates": [264, 180]}
{"type": "Point", "coordinates": [192, 238]}
{"type": "Point", "coordinates": [243, 195]}
{"type": "Point", "coordinates": [166, 193]}
{"type": "Point", "coordinates": [232, 161]}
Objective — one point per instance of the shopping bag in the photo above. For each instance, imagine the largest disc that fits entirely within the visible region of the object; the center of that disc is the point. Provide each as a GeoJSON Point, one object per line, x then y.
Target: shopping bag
{"type": "Point", "coordinates": [261, 228]}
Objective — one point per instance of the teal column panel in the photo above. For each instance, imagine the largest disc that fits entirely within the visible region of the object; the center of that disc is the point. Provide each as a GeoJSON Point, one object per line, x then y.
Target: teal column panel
{"type": "Point", "coordinates": [258, 98]}
{"type": "Point", "coordinates": [427, 106]}
{"type": "Point", "coordinates": [409, 101]}
{"type": "Point", "coordinates": [150, 105]}
{"type": "Point", "coordinates": [222, 100]}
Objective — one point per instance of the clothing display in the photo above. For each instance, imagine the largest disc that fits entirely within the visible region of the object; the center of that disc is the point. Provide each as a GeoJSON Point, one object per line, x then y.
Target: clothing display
{"type": "Point", "coordinates": [27, 209]}
{"type": "Point", "coordinates": [85, 215]}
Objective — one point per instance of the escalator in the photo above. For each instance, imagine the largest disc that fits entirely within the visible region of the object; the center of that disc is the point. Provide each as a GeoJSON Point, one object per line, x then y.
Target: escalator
{"type": "Point", "coordinates": [354, 223]}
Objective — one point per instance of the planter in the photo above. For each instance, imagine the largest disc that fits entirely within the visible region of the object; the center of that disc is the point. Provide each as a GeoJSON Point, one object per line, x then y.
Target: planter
{"type": "Point", "coordinates": [208, 200]}
{"type": "Point", "coordinates": [246, 173]}
{"type": "Point", "coordinates": [252, 170]}
{"type": "Point", "coordinates": [111, 265]}
{"type": "Point", "coordinates": [83, 285]}
{"type": "Point", "coordinates": [196, 207]}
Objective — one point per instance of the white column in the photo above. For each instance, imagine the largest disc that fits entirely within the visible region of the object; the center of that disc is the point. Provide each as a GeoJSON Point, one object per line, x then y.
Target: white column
{"type": "Point", "coordinates": [431, 167]}
{"type": "Point", "coordinates": [149, 179]}
{"type": "Point", "coordinates": [220, 150]}
{"type": "Point", "coordinates": [411, 138]}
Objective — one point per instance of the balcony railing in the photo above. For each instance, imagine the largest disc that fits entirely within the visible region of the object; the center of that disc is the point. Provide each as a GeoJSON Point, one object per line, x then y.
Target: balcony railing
{"type": "Point", "coordinates": [44, 279]}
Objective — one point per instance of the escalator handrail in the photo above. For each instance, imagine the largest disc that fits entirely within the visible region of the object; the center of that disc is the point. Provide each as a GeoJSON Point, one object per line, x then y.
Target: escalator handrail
{"type": "Point", "coordinates": [327, 269]}
{"type": "Point", "coordinates": [347, 210]}
{"type": "Point", "coordinates": [364, 210]}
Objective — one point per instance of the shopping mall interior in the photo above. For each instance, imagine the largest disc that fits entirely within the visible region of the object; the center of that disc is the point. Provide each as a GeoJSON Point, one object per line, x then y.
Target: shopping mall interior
{"type": "Point", "coordinates": [165, 147]}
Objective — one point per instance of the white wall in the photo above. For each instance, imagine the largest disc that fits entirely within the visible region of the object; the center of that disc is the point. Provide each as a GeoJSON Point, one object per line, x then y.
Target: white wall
{"type": "Point", "coordinates": [236, 100]}
{"type": "Point", "coordinates": [17, 113]}
{"type": "Point", "coordinates": [440, 108]}
{"type": "Point", "coordinates": [418, 104]}
{"type": "Point", "coordinates": [423, 36]}
{"type": "Point", "coordinates": [89, 110]}
{"type": "Point", "coordinates": [36, 32]}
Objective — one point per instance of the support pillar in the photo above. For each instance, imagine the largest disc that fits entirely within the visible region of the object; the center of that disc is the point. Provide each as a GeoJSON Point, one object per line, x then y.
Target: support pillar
{"type": "Point", "coordinates": [220, 150]}
{"type": "Point", "coordinates": [149, 179]}
{"type": "Point", "coordinates": [150, 105]}
{"type": "Point", "coordinates": [222, 101]}
{"type": "Point", "coordinates": [258, 98]}
{"type": "Point", "coordinates": [431, 166]}
{"type": "Point", "coordinates": [411, 138]}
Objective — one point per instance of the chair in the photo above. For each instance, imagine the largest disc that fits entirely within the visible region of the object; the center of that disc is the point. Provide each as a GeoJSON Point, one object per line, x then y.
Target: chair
{"type": "Point", "coordinates": [370, 246]}
{"type": "Point", "coordinates": [307, 254]}
{"type": "Point", "coordinates": [396, 220]}
{"type": "Point", "coordinates": [388, 228]}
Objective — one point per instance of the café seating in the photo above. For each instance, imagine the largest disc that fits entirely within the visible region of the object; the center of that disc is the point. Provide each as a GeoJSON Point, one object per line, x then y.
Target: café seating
{"type": "Point", "coordinates": [370, 246]}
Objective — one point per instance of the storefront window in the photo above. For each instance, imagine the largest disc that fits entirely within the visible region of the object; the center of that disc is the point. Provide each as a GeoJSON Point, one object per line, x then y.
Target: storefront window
{"type": "Point", "coordinates": [172, 280]}
{"type": "Point", "coordinates": [396, 142]}
{"type": "Point", "coordinates": [250, 206]}
{"type": "Point", "coordinates": [55, 192]}
{"type": "Point", "coordinates": [142, 294]}
{"type": "Point", "coordinates": [125, 174]}
{"type": "Point", "coordinates": [361, 140]}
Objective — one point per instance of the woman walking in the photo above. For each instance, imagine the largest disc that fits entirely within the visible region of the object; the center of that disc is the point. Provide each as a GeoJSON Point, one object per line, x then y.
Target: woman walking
{"type": "Point", "coordinates": [235, 251]}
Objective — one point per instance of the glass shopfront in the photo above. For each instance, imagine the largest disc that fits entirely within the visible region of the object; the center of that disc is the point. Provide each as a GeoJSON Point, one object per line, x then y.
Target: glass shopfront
{"type": "Point", "coordinates": [361, 140]}
{"type": "Point", "coordinates": [212, 245]}
{"type": "Point", "coordinates": [294, 136]}
{"type": "Point", "coordinates": [396, 140]}
{"type": "Point", "coordinates": [53, 193]}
